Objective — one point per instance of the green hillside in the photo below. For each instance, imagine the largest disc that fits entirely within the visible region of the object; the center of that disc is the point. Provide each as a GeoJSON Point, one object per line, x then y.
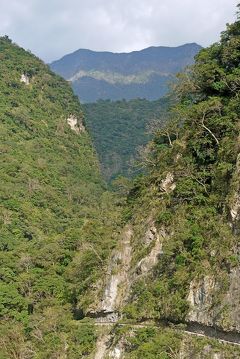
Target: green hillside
{"type": "Point", "coordinates": [53, 239]}
{"type": "Point", "coordinates": [119, 129]}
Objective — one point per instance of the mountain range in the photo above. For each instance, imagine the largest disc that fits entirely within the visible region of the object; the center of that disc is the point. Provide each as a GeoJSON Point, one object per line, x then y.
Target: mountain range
{"type": "Point", "coordinates": [138, 74]}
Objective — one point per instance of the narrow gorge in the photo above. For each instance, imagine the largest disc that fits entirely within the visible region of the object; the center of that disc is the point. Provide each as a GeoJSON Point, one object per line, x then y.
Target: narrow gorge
{"type": "Point", "coordinates": [146, 267]}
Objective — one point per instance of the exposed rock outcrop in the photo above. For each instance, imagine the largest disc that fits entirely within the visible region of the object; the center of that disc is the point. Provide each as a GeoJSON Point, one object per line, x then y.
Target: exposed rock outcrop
{"type": "Point", "coordinates": [204, 309]}
{"type": "Point", "coordinates": [25, 79]}
{"type": "Point", "coordinates": [75, 124]}
{"type": "Point", "coordinates": [117, 352]}
{"type": "Point", "coordinates": [235, 198]}
{"type": "Point", "coordinates": [102, 346]}
{"type": "Point", "coordinates": [121, 273]}
{"type": "Point", "coordinates": [119, 348]}
{"type": "Point", "coordinates": [168, 185]}
{"type": "Point", "coordinates": [116, 281]}
{"type": "Point", "coordinates": [232, 301]}
{"type": "Point", "coordinates": [235, 210]}
{"type": "Point", "coordinates": [154, 238]}
{"type": "Point", "coordinates": [200, 298]}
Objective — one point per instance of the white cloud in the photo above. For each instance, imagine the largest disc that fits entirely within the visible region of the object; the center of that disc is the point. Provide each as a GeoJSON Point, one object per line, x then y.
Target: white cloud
{"type": "Point", "coordinates": [52, 28]}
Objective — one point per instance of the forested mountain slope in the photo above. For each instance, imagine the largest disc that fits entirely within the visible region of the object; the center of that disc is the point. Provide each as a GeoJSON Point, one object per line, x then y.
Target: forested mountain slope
{"type": "Point", "coordinates": [57, 222]}
{"type": "Point", "coordinates": [116, 76]}
{"type": "Point", "coordinates": [177, 263]}
{"type": "Point", "coordinates": [119, 129]}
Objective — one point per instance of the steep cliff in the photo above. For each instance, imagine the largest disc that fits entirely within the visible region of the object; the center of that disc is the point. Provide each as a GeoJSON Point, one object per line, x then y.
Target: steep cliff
{"type": "Point", "coordinates": [184, 217]}
{"type": "Point", "coordinates": [192, 194]}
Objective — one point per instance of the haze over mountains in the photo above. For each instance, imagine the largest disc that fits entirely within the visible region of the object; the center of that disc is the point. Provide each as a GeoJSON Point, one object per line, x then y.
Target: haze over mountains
{"type": "Point", "coordinates": [139, 74]}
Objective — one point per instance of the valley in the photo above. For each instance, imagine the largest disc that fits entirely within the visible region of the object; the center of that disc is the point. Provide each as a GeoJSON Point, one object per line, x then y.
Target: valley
{"type": "Point", "coordinates": [120, 219]}
{"type": "Point", "coordinates": [120, 129]}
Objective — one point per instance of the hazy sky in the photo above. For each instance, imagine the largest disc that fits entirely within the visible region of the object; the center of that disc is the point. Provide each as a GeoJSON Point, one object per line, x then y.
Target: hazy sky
{"type": "Point", "coordinates": [53, 28]}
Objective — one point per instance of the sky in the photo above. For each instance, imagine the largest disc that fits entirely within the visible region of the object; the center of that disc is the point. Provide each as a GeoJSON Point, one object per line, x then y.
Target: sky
{"type": "Point", "coordinates": [53, 28]}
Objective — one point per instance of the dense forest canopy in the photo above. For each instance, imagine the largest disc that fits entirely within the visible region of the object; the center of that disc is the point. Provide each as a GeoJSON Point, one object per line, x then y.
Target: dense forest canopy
{"type": "Point", "coordinates": [119, 129]}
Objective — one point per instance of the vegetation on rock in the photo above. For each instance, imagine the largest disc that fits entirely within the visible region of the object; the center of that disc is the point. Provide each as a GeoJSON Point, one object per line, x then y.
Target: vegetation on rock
{"type": "Point", "coordinates": [192, 193]}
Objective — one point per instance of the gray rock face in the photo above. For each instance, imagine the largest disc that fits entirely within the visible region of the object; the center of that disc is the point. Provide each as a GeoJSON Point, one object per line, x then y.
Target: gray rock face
{"type": "Point", "coordinates": [147, 263]}
{"type": "Point", "coordinates": [232, 301]}
{"type": "Point", "coordinates": [102, 346]}
{"type": "Point", "coordinates": [203, 310]}
{"type": "Point", "coordinates": [203, 293]}
{"type": "Point", "coordinates": [168, 185]}
{"type": "Point", "coordinates": [75, 124]}
{"type": "Point", "coordinates": [110, 294]}
{"type": "Point", "coordinates": [25, 79]}
{"type": "Point", "coordinates": [200, 298]}
{"type": "Point", "coordinates": [234, 206]}
{"type": "Point", "coordinates": [116, 281]}
{"type": "Point", "coordinates": [117, 352]}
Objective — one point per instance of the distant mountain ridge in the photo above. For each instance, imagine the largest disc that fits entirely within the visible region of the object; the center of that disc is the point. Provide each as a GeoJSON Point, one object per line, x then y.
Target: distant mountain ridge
{"type": "Point", "coordinates": [138, 74]}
